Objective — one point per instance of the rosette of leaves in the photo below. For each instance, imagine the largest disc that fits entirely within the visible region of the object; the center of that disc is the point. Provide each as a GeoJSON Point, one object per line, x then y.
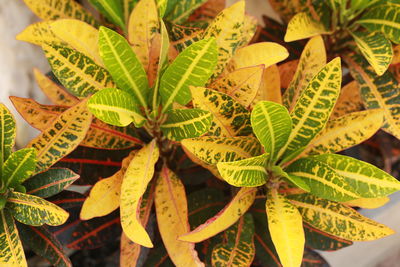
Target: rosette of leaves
{"type": "Point", "coordinates": [304, 182]}
{"type": "Point", "coordinates": [23, 210]}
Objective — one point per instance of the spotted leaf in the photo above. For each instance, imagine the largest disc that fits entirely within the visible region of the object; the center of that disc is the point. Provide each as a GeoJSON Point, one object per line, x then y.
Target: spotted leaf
{"type": "Point", "coordinates": [303, 26]}
{"type": "Point", "coordinates": [39, 33]}
{"type": "Point", "coordinates": [19, 166]}
{"type": "Point", "coordinates": [8, 132]}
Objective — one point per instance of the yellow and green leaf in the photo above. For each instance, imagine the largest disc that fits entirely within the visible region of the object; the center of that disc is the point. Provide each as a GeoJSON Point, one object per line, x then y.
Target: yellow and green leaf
{"type": "Point", "coordinates": [104, 196]}
{"type": "Point", "coordinates": [35, 211]}
{"type": "Point", "coordinates": [230, 118]}
{"type": "Point", "coordinates": [313, 108]}
{"type": "Point", "coordinates": [172, 213]}
{"type": "Point", "coordinates": [182, 10]}
{"type": "Point", "coordinates": [375, 48]}
{"type": "Point", "coordinates": [39, 33]}
{"type": "Point", "coordinates": [112, 10]}
{"type": "Point", "coordinates": [238, 249]}
{"type": "Point", "coordinates": [241, 84]}
{"type": "Point", "coordinates": [368, 203]}
{"type": "Point", "coordinates": [78, 35]}
{"type": "Point", "coordinates": [79, 74]}
{"type": "Point", "coordinates": [8, 132]}
{"type": "Point", "coordinates": [271, 124]}
{"type": "Point", "coordinates": [183, 36]}
{"type": "Point", "coordinates": [338, 219]}
{"type": "Point", "coordinates": [11, 250]}
{"type": "Point", "coordinates": [312, 60]}
{"type": "Point", "coordinates": [286, 228]}
{"type": "Point", "coordinates": [224, 219]}
{"type": "Point", "coordinates": [115, 107]}
{"type": "Point", "coordinates": [137, 176]}
{"type": "Point", "coordinates": [186, 123]}
{"type": "Point", "coordinates": [346, 131]}
{"type": "Point", "coordinates": [52, 10]}
{"type": "Point", "coordinates": [193, 66]}
{"type": "Point", "coordinates": [250, 172]}
{"type": "Point", "coordinates": [62, 136]}
{"type": "Point", "coordinates": [303, 26]}
{"type": "Point", "coordinates": [322, 179]}
{"type": "Point", "coordinates": [123, 65]}
{"type": "Point", "coordinates": [19, 167]}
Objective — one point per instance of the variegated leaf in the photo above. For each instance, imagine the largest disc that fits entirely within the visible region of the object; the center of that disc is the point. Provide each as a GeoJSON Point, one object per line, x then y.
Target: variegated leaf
{"type": "Point", "coordinates": [313, 108]}
{"type": "Point", "coordinates": [8, 132]}
{"type": "Point", "coordinates": [230, 118]}
{"type": "Point", "coordinates": [383, 18]}
{"type": "Point", "coordinates": [51, 10]}
{"type": "Point", "coordinates": [249, 29]}
{"type": "Point", "coordinates": [271, 124]}
{"type": "Point", "coordinates": [349, 100]}
{"type": "Point", "coordinates": [182, 10]}
{"type": "Point", "coordinates": [322, 179]}
{"type": "Point", "coordinates": [249, 172]}
{"type": "Point", "coordinates": [224, 219]}
{"type": "Point", "coordinates": [62, 136]}
{"type": "Point", "coordinates": [11, 250]}
{"type": "Point", "coordinates": [78, 35]}
{"type": "Point", "coordinates": [79, 74]}
{"type": "Point", "coordinates": [242, 84]}
{"type": "Point", "coordinates": [35, 211]}
{"type": "Point", "coordinates": [172, 213]}
{"type": "Point", "coordinates": [226, 28]}
{"type": "Point", "coordinates": [112, 10]}
{"type": "Point", "coordinates": [312, 60]}
{"type": "Point", "coordinates": [368, 203]}
{"type": "Point", "coordinates": [264, 53]}
{"type": "Point", "coordinates": [183, 36]}
{"type": "Point", "coordinates": [53, 91]}
{"type": "Point", "coordinates": [192, 67]}
{"type": "Point", "coordinates": [238, 249]}
{"type": "Point", "coordinates": [375, 48]}
{"type": "Point", "coordinates": [115, 107]}
{"type": "Point", "coordinates": [186, 123]}
{"type": "Point", "coordinates": [338, 219]}
{"type": "Point", "coordinates": [346, 131]}
{"type": "Point", "coordinates": [142, 28]}
{"type": "Point", "coordinates": [39, 33]}
{"type": "Point", "coordinates": [367, 180]}
{"type": "Point", "coordinates": [303, 26]}
{"type": "Point", "coordinates": [19, 167]}
{"type": "Point", "coordinates": [286, 228]}
{"type": "Point", "coordinates": [137, 176]}
{"type": "Point", "coordinates": [123, 65]}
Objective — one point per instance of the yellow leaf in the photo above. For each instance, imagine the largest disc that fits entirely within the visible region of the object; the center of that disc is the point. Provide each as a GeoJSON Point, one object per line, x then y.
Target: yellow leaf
{"type": "Point", "coordinates": [104, 196]}
{"type": "Point", "coordinates": [242, 84]}
{"type": "Point", "coordinates": [137, 176]}
{"type": "Point", "coordinates": [285, 225]}
{"type": "Point", "coordinates": [270, 89]}
{"type": "Point", "coordinates": [265, 53]}
{"type": "Point", "coordinates": [349, 100]}
{"type": "Point", "coordinates": [225, 218]}
{"type": "Point", "coordinates": [78, 35]}
{"type": "Point", "coordinates": [302, 26]}
{"type": "Point", "coordinates": [172, 218]}
{"type": "Point", "coordinates": [39, 33]}
{"type": "Point", "coordinates": [54, 92]}
{"type": "Point", "coordinates": [368, 203]}
{"type": "Point", "coordinates": [143, 26]}
{"type": "Point", "coordinates": [62, 136]}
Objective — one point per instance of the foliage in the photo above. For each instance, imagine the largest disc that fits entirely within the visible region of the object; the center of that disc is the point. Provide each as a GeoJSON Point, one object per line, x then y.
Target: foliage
{"type": "Point", "coordinates": [166, 104]}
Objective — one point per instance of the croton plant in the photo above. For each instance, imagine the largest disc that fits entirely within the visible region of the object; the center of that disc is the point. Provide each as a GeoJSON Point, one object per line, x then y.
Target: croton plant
{"type": "Point", "coordinates": [173, 116]}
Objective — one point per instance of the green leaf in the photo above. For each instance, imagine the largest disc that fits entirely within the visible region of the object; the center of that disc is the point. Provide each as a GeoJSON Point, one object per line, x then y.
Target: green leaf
{"type": "Point", "coordinates": [112, 10]}
{"type": "Point", "coordinates": [367, 180]}
{"type": "Point", "coordinates": [313, 108]}
{"type": "Point", "coordinates": [182, 10]}
{"type": "Point", "coordinates": [383, 18]}
{"type": "Point", "coordinates": [375, 48]}
{"type": "Point", "coordinates": [323, 180]}
{"type": "Point", "coordinates": [115, 107]}
{"type": "Point", "coordinates": [50, 182]}
{"type": "Point", "coordinates": [238, 248]}
{"type": "Point", "coordinates": [192, 67]}
{"type": "Point", "coordinates": [35, 211]}
{"type": "Point", "coordinates": [186, 123]}
{"type": "Point", "coordinates": [79, 74]}
{"type": "Point", "coordinates": [44, 244]}
{"type": "Point", "coordinates": [11, 250]}
{"type": "Point", "coordinates": [249, 172]}
{"type": "Point", "coordinates": [124, 66]}
{"type": "Point", "coordinates": [272, 125]}
{"type": "Point", "coordinates": [8, 132]}
{"type": "Point", "coordinates": [19, 166]}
